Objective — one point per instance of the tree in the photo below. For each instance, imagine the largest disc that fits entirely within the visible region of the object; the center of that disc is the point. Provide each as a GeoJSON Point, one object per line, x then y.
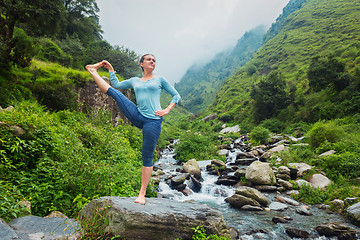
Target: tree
{"type": "Point", "coordinates": [39, 14]}
{"type": "Point", "coordinates": [327, 72]}
{"type": "Point", "coordinates": [269, 96]}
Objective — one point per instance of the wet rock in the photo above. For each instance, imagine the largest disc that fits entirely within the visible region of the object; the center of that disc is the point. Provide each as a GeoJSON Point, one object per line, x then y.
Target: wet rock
{"type": "Point", "coordinates": [234, 129]}
{"type": "Point", "coordinates": [245, 161]}
{"type": "Point", "coordinates": [297, 233]}
{"type": "Point", "coordinates": [33, 227]}
{"type": "Point", "coordinates": [179, 179]}
{"type": "Point", "coordinates": [319, 181]}
{"type": "Point", "coordinates": [265, 156]}
{"type": "Point", "coordinates": [253, 194]}
{"type": "Point", "coordinates": [158, 219]}
{"type": "Point", "coordinates": [187, 191]}
{"type": "Point", "coordinates": [179, 187]}
{"type": "Point", "coordinates": [301, 167]}
{"type": "Point", "coordinates": [239, 173]}
{"type": "Point", "coordinates": [244, 155]}
{"type": "Point", "coordinates": [227, 180]}
{"type": "Point", "coordinates": [234, 234]}
{"type": "Point", "coordinates": [192, 167]}
{"type": "Point", "coordinates": [238, 201]}
{"type": "Point", "coordinates": [266, 188]}
{"type": "Point", "coordinates": [251, 208]}
{"type": "Point", "coordinates": [278, 219]}
{"type": "Point", "coordinates": [195, 184]}
{"type": "Point", "coordinates": [276, 206]}
{"type": "Point", "coordinates": [287, 200]}
{"type": "Point", "coordinates": [159, 172]}
{"type": "Point", "coordinates": [218, 163]}
{"type": "Point", "coordinates": [338, 230]}
{"type": "Point", "coordinates": [303, 211]}
{"type": "Point", "coordinates": [353, 213]}
{"type": "Point", "coordinates": [223, 152]}
{"type": "Point", "coordinates": [260, 173]}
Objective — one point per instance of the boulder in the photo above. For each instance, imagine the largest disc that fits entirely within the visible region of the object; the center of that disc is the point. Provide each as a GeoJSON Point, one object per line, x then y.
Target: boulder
{"type": "Point", "coordinates": [209, 117]}
{"type": "Point", "coordinates": [33, 227]}
{"type": "Point", "coordinates": [278, 148]}
{"type": "Point", "coordinates": [234, 129]}
{"type": "Point", "coordinates": [334, 229]}
{"type": "Point", "coordinates": [192, 167]}
{"type": "Point", "coordinates": [18, 131]}
{"type": "Point", "coordinates": [218, 163]}
{"type": "Point", "coordinates": [303, 211]}
{"type": "Point", "coordinates": [239, 173]}
{"type": "Point", "coordinates": [6, 232]}
{"type": "Point", "coordinates": [297, 233]}
{"type": "Point", "coordinates": [179, 179]}
{"type": "Point", "coordinates": [284, 170]}
{"type": "Point", "coordinates": [223, 152]}
{"type": "Point", "coordinates": [237, 201]}
{"type": "Point", "coordinates": [353, 213]}
{"type": "Point", "coordinates": [254, 194]}
{"type": "Point", "coordinates": [260, 173]}
{"type": "Point", "coordinates": [159, 218]}
{"type": "Point", "coordinates": [319, 181]}
{"type": "Point", "coordinates": [301, 167]}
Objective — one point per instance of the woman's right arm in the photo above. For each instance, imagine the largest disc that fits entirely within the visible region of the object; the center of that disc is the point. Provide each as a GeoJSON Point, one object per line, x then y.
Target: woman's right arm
{"type": "Point", "coordinates": [114, 80]}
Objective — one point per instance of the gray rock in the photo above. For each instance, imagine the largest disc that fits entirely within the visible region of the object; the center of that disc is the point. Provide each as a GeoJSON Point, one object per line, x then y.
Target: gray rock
{"type": "Point", "coordinates": [218, 163]}
{"type": "Point", "coordinates": [303, 211]}
{"type": "Point", "coordinates": [282, 176]}
{"type": "Point", "coordinates": [157, 219]}
{"type": "Point", "coordinates": [234, 129]}
{"type": "Point", "coordinates": [287, 200]}
{"type": "Point", "coordinates": [279, 148]}
{"type": "Point", "coordinates": [302, 182]}
{"type": "Point", "coordinates": [33, 227]}
{"type": "Point", "coordinates": [266, 188]}
{"type": "Point", "coordinates": [301, 167]}
{"type": "Point", "coordinates": [238, 201]}
{"type": "Point", "coordinates": [276, 206]}
{"type": "Point", "coordinates": [6, 232]}
{"type": "Point", "coordinates": [338, 204]}
{"type": "Point", "coordinates": [284, 170]}
{"type": "Point", "coordinates": [278, 219]}
{"type": "Point", "coordinates": [327, 153]}
{"type": "Point", "coordinates": [350, 200]}
{"type": "Point", "coordinates": [223, 152]}
{"type": "Point", "coordinates": [338, 230]}
{"type": "Point", "coordinates": [353, 213]}
{"type": "Point", "coordinates": [192, 167]}
{"type": "Point", "coordinates": [251, 208]}
{"type": "Point", "coordinates": [209, 117]}
{"type": "Point", "coordinates": [179, 179]}
{"type": "Point", "coordinates": [319, 181]}
{"type": "Point", "coordinates": [260, 173]}
{"type": "Point", "coordinates": [285, 184]}
{"type": "Point", "coordinates": [297, 233]}
{"type": "Point", "coordinates": [18, 131]}
{"type": "Point", "coordinates": [254, 194]}
{"type": "Point", "coordinates": [240, 172]}
{"type": "Point", "coordinates": [245, 161]}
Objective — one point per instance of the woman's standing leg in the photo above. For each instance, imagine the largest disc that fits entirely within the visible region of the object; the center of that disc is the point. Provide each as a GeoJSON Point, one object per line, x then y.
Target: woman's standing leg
{"type": "Point", "coordinates": [151, 134]}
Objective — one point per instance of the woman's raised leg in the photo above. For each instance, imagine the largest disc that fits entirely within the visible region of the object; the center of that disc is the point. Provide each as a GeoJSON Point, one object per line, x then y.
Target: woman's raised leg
{"type": "Point", "coordinates": [92, 69]}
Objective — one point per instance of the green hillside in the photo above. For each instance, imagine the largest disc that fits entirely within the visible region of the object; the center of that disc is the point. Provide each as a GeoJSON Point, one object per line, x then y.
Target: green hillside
{"type": "Point", "coordinates": [309, 71]}
{"type": "Point", "coordinates": [200, 83]}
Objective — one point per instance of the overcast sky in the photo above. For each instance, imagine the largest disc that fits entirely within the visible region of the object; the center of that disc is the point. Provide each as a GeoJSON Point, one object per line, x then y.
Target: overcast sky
{"type": "Point", "coordinates": [182, 32]}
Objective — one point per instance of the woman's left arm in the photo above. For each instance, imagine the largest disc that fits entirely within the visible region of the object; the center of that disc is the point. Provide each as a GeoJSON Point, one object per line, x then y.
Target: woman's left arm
{"type": "Point", "coordinates": [176, 97]}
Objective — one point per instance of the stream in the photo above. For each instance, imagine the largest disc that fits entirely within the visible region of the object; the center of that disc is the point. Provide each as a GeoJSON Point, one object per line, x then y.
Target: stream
{"type": "Point", "coordinates": [250, 224]}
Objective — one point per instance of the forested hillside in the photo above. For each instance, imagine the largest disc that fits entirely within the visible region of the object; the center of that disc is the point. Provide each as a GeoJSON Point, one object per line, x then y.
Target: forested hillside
{"type": "Point", "coordinates": [308, 72]}
{"type": "Point", "coordinates": [200, 83]}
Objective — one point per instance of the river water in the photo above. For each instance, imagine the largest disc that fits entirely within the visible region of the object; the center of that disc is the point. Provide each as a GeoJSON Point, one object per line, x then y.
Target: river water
{"type": "Point", "coordinates": [250, 224]}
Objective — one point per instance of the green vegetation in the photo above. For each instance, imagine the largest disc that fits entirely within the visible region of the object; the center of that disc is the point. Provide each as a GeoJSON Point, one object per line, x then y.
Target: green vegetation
{"type": "Point", "coordinates": [200, 234]}
{"type": "Point", "coordinates": [63, 155]}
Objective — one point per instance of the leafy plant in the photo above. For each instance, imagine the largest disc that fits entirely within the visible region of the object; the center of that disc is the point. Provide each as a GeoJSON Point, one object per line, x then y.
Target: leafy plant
{"type": "Point", "coordinates": [259, 135]}
{"type": "Point", "coordinates": [200, 234]}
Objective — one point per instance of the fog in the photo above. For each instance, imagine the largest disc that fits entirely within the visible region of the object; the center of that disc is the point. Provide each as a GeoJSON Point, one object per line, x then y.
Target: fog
{"type": "Point", "coordinates": [181, 33]}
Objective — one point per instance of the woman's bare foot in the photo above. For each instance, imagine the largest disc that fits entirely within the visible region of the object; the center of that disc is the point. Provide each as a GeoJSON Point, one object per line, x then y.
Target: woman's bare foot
{"type": "Point", "coordinates": [91, 68]}
{"type": "Point", "coordinates": [140, 199]}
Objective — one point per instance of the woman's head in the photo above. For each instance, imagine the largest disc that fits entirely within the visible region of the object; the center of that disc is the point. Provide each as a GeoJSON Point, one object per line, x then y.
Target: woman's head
{"type": "Point", "coordinates": [147, 59]}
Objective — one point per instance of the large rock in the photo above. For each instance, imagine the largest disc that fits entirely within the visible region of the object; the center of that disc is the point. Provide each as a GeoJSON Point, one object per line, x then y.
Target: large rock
{"type": "Point", "coordinates": [254, 194]}
{"type": "Point", "coordinates": [237, 201]}
{"type": "Point", "coordinates": [33, 228]}
{"type": "Point", "coordinates": [319, 181]}
{"type": "Point", "coordinates": [234, 129]}
{"type": "Point", "coordinates": [210, 117]}
{"type": "Point", "coordinates": [192, 167]}
{"type": "Point", "coordinates": [157, 219]}
{"type": "Point", "coordinates": [6, 232]}
{"type": "Point", "coordinates": [260, 173]}
{"type": "Point", "coordinates": [301, 167]}
{"type": "Point", "coordinates": [334, 229]}
{"type": "Point", "coordinates": [353, 213]}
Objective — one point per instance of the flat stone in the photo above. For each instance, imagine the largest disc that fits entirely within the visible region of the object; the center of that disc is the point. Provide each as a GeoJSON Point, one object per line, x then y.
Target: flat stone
{"type": "Point", "coordinates": [327, 153]}
{"type": "Point", "coordinates": [319, 181]}
{"type": "Point", "coordinates": [159, 218]}
{"type": "Point", "coordinates": [6, 232]}
{"type": "Point", "coordinates": [234, 129]}
{"type": "Point", "coordinates": [33, 227]}
{"type": "Point", "coordinates": [276, 206]}
{"type": "Point", "coordinates": [287, 200]}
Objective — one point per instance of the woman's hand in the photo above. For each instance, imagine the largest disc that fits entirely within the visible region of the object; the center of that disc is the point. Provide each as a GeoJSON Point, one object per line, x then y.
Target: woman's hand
{"type": "Point", "coordinates": [107, 65]}
{"type": "Point", "coordinates": [163, 112]}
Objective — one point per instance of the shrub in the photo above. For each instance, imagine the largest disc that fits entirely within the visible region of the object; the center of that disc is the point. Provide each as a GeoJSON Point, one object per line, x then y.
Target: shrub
{"type": "Point", "coordinates": [274, 125]}
{"type": "Point", "coordinates": [259, 135]}
{"type": "Point", "coordinates": [325, 131]}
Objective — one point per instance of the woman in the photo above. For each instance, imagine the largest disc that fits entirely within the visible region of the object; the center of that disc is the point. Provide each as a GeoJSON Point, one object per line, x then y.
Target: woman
{"type": "Point", "coordinates": [147, 115]}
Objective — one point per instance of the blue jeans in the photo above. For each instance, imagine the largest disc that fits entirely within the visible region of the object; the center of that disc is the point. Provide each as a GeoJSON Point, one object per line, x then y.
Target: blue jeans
{"type": "Point", "coordinates": [151, 128]}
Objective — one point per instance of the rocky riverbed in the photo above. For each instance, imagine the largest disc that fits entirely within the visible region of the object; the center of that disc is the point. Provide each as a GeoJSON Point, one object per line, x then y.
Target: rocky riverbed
{"type": "Point", "coordinates": [255, 198]}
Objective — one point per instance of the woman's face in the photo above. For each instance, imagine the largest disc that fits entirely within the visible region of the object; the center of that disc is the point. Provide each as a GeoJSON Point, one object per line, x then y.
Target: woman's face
{"type": "Point", "coordinates": [149, 63]}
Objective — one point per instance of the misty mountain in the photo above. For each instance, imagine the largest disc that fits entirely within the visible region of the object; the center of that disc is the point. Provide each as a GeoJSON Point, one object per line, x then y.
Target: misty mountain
{"type": "Point", "coordinates": [200, 83]}
{"type": "Point", "coordinates": [308, 71]}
